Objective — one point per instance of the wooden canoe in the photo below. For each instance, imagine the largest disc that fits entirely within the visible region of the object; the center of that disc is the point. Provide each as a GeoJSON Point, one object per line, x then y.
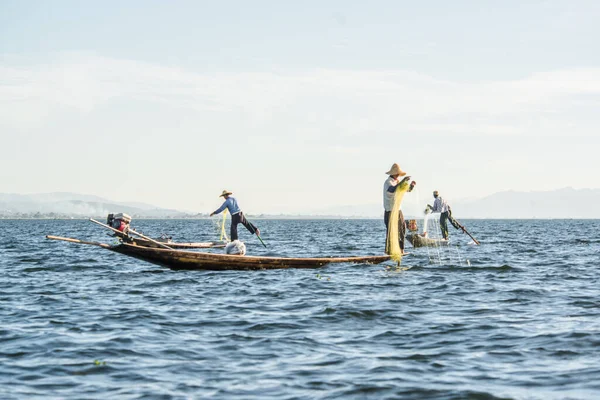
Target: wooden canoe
{"type": "Point", "coordinates": [419, 241]}
{"type": "Point", "coordinates": [191, 260]}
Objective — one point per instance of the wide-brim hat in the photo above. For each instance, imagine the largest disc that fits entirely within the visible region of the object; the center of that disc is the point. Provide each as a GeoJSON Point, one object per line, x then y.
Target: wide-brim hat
{"type": "Point", "coordinates": [395, 170]}
{"type": "Point", "coordinates": [225, 193]}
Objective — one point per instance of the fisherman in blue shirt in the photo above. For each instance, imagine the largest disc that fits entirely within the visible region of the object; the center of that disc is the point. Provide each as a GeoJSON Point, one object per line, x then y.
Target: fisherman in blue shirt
{"type": "Point", "coordinates": [237, 216]}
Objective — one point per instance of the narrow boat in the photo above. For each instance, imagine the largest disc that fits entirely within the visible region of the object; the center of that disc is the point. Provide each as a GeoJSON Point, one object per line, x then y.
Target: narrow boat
{"type": "Point", "coordinates": [191, 260]}
{"type": "Point", "coordinates": [421, 241]}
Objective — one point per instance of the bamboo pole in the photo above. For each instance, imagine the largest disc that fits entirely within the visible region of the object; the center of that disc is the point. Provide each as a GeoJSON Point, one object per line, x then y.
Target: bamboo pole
{"type": "Point", "coordinates": [131, 231]}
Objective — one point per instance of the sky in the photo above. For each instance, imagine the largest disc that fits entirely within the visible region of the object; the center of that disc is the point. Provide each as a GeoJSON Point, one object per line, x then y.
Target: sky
{"type": "Point", "coordinates": [297, 106]}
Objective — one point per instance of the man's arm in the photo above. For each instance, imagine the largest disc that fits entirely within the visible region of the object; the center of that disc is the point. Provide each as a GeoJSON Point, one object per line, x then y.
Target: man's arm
{"type": "Point", "coordinates": [220, 209]}
{"type": "Point", "coordinates": [400, 185]}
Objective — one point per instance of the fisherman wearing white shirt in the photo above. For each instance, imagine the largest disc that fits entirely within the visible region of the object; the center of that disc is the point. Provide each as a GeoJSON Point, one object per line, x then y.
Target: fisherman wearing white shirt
{"type": "Point", "coordinates": [441, 206]}
{"type": "Point", "coordinates": [390, 187]}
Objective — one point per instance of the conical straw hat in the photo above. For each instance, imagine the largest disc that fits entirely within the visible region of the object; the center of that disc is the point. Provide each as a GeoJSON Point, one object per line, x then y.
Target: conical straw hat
{"type": "Point", "coordinates": [225, 193]}
{"type": "Point", "coordinates": [395, 170]}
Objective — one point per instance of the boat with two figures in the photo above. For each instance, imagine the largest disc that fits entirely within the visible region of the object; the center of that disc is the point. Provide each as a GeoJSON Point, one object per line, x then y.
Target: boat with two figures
{"type": "Point", "coordinates": [187, 259]}
{"type": "Point", "coordinates": [423, 239]}
{"type": "Point", "coordinates": [181, 256]}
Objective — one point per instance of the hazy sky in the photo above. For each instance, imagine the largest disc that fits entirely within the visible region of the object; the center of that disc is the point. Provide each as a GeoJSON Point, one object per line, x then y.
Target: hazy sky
{"type": "Point", "coordinates": [297, 106]}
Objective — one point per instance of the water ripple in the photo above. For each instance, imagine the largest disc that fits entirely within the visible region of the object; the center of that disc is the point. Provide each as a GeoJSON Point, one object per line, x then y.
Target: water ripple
{"type": "Point", "coordinates": [515, 318]}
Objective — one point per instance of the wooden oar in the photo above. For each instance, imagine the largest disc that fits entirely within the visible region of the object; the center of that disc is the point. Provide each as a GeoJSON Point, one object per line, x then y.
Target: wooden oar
{"type": "Point", "coordinates": [131, 231]}
{"type": "Point", "coordinates": [257, 235]}
{"type": "Point", "coordinates": [465, 231]}
{"type": "Point", "coordinates": [77, 241]}
{"type": "Point", "coordinates": [259, 238]}
{"type": "Point", "coordinates": [471, 236]}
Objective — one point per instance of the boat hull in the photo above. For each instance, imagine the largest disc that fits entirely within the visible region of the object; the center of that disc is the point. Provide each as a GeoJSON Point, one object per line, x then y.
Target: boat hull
{"type": "Point", "coordinates": [419, 241]}
{"type": "Point", "coordinates": [190, 260]}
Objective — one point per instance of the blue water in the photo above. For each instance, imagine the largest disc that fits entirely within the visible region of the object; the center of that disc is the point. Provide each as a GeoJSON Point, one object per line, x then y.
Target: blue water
{"type": "Point", "coordinates": [517, 317]}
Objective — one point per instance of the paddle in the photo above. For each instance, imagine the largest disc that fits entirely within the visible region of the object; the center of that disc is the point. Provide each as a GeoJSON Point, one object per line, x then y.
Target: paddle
{"type": "Point", "coordinates": [467, 232]}
{"type": "Point", "coordinates": [255, 231]}
{"type": "Point", "coordinates": [259, 238]}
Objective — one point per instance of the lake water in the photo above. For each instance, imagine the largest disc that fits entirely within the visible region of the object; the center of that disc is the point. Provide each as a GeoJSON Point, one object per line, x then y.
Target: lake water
{"type": "Point", "coordinates": [517, 317]}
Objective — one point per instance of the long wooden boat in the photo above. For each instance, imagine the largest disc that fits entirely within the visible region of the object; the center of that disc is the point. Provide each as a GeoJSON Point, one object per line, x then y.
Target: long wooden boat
{"type": "Point", "coordinates": [189, 260]}
{"type": "Point", "coordinates": [420, 241]}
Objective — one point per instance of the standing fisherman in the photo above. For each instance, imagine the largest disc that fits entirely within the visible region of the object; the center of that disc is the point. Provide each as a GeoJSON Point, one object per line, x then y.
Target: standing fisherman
{"type": "Point", "coordinates": [441, 206]}
{"type": "Point", "coordinates": [237, 216]}
{"type": "Point", "coordinates": [392, 187]}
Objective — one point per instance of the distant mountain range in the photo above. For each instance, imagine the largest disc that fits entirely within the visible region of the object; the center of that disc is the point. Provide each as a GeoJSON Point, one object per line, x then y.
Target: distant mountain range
{"type": "Point", "coordinates": [64, 204]}
{"type": "Point", "coordinates": [560, 203]}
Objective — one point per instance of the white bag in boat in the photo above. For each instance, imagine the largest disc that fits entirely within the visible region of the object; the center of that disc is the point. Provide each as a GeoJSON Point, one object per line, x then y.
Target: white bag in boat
{"type": "Point", "coordinates": [236, 247]}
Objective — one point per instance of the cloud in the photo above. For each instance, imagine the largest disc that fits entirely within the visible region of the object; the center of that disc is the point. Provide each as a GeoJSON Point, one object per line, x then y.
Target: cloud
{"type": "Point", "coordinates": [349, 106]}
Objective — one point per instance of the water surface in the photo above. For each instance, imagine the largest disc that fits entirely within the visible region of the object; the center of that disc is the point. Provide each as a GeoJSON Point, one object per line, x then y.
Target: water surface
{"type": "Point", "coordinates": [517, 317]}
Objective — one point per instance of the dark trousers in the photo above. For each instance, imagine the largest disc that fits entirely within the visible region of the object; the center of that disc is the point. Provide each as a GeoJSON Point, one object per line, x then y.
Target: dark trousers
{"type": "Point", "coordinates": [240, 219]}
{"type": "Point", "coordinates": [444, 218]}
{"type": "Point", "coordinates": [401, 227]}
{"type": "Point", "coordinates": [444, 224]}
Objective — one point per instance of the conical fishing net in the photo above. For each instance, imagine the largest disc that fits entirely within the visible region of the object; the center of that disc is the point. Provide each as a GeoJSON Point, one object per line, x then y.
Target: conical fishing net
{"type": "Point", "coordinates": [392, 245]}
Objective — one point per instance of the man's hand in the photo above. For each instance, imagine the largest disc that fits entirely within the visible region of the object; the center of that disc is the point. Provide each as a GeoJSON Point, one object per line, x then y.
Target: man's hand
{"type": "Point", "coordinates": [211, 214]}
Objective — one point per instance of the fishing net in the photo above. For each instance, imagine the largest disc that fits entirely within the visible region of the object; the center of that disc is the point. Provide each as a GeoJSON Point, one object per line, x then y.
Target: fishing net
{"type": "Point", "coordinates": [441, 252]}
{"type": "Point", "coordinates": [218, 222]}
{"type": "Point", "coordinates": [392, 245]}
{"type": "Point", "coordinates": [236, 247]}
